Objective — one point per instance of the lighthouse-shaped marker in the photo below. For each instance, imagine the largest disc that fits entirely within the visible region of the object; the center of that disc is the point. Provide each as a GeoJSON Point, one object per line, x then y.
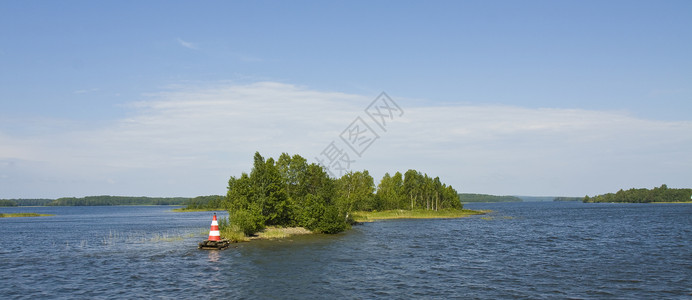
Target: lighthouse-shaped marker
{"type": "Point", "coordinates": [214, 231]}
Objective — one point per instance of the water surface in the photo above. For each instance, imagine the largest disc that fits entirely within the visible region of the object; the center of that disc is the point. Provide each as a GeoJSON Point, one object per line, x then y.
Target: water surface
{"type": "Point", "coordinates": [521, 250]}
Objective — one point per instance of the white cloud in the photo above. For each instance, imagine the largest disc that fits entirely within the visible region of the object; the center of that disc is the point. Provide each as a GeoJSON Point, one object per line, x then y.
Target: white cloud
{"type": "Point", "coordinates": [187, 44]}
{"type": "Point", "coordinates": [187, 141]}
{"type": "Point", "coordinates": [85, 91]}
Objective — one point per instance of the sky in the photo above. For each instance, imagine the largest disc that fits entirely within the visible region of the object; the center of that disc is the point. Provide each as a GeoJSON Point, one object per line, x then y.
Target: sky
{"type": "Point", "coordinates": [172, 98]}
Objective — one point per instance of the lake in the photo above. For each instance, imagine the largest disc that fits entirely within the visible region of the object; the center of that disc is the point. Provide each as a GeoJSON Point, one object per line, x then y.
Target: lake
{"type": "Point", "coordinates": [521, 250]}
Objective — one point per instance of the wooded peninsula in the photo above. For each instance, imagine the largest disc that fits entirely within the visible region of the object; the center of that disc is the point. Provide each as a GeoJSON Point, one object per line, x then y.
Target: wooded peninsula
{"type": "Point", "coordinates": [658, 194]}
{"type": "Point", "coordinates": [290, 192]}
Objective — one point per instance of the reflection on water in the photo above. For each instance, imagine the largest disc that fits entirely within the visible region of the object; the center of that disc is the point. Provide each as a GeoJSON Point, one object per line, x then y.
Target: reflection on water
{"type": "Point", "coordinates": [214, 255]}
{"type": "Point", "coordinates": [522, 250]}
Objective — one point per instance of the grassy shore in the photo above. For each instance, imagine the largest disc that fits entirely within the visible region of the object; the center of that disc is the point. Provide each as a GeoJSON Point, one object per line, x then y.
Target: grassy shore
{"type": "Point", "coordinates": [683, 202]}
{"type": "Point", "coordinates": [18, 215]}
{"type": "Point", "coordinates": [370, 216]}
{"type": "Point", "coordinates": [183, 209]}
{"type": "Point", "coordinates": [228, 231]}
{"type": "Point", "coordinates": [269, 233]}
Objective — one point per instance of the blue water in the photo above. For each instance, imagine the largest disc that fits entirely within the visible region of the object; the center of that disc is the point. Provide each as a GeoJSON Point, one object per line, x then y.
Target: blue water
{"type": "Point", "coordinates": [521, 250]}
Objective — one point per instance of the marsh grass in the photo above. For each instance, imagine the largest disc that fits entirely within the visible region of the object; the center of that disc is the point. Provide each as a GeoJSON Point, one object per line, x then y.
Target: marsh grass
{"type": "Point", "coordinates": [370, 216]}
{"type": "Point", "coordinates": [230, 232]}
{"type": "Point", "coordinates": [117, 237]}
{"type": "Point", "coordinates": [184, 209]}
{"type": "Point", "coordinates": [273, 232]}
{"type": "Point", "coordinates": [235, 235]}
{"type": "Point", "coordinates": [19, 215]}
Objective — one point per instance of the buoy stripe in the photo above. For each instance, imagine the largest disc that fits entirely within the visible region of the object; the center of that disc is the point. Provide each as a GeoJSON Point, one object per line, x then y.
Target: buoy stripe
{"type": "Point", "coordinates": [214, 223]}
{"type": "Point", "coordinates": [214, 233]}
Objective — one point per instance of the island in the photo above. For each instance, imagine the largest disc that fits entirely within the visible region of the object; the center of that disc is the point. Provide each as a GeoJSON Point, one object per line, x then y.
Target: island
{"type": "Point", "coordinates": [661, 194]}
{"type": "Point", "coordinates": [291, 193]}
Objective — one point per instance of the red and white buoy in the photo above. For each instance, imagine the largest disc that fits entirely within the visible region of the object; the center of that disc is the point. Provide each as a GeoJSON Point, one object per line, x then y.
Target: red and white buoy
{"type": "Point", "coordinates": [214, 231]}
{"type": "Point", "coordinates": [214, 242]}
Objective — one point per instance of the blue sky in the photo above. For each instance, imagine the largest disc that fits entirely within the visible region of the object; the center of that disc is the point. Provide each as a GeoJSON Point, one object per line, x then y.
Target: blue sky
{"type": "Point", "coordinates": [500, 97]}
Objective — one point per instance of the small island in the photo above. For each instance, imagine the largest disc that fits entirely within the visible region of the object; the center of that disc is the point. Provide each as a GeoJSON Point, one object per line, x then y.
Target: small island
{"type": "Point", "coordinates": [21, 215]}
{"type": "Point", "coordinates": [661, 194]}
{"type": "Point", "coordinates": [291, 196]}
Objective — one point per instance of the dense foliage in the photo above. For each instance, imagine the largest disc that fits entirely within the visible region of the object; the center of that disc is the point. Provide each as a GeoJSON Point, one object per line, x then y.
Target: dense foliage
{"type": "Point", "coordinates": [487, 198]}
{"type": "Point", "coordinates": [567, 199]}
{"type": "Point", "coordinates": [292, 192]}
{"type": "Point", "coordinates": [112, 200]}
{"type": "Point", "coordinates": [115, 200]}
{"type": "Point", "coordinates": [26, 202]}
{"type": "Point", "coordinates": [212, 202]}
{"type": "Point", "coordinates": [657, 194]}
{"type": "Point", "coordinates": [7, 203]}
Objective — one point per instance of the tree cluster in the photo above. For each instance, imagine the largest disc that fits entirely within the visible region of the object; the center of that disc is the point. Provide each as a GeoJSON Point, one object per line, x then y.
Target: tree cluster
{"type": "Point", "coordinates": [4, 202]}
{"type": "Point", "coordinates": [287, 192]}
{"type": "Point", "coordinates": [657, 194]}
{"type": "Point", "coordinates": [25, 202]}
{"type": "Point", "coordinates": [205, 202]}
{"type": "Point", "coordinates": [414, 190]}
{"type": "Point", "coordinates": [115, 200]}
{"type": "Point", "coordinates": [567, 199]}
{"type": "Point", "coordinates": [292, 192]}
{"type": "Point", "coordinates": [487, 198]}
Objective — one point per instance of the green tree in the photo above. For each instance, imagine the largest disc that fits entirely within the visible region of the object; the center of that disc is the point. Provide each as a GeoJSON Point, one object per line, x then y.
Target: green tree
{"type": "Point", "coordinates": [269, 191]}
{"type": "Point", "coordinates": [288, 192]}
{"type": "Point", "coordinates": [356, 191]}
{"type": "Point", "coordinates": [316, 208]}
{"type": "Point", "coordinates": [412, 186]}
{"type": "Point", "coordinates": [386, 197]}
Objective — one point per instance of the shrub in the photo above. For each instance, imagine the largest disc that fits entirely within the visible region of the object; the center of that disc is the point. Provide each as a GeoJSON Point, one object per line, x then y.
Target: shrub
{"type": "Point", "coordinates": [246, 221]}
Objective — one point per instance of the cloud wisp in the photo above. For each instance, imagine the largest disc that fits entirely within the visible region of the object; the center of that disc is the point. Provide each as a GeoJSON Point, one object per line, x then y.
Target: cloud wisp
{"type": "Point", "coordinates": [187, 141]}
{"type": "Point", "coordinates": [186, 44]}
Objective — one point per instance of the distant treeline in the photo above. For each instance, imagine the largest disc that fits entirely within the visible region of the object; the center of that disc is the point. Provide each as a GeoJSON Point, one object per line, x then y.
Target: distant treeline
{"type": "Point", "coordinates": [214, 202]}
{"type": "Point", "coordinates": [7, 203]}
{"type": "Point", "coordinates": [487, 198]}
{"type": "Point", "coordinates": [95, 201]}
{"type": "Point", "coordinates": [558, 199]}
{"type": "Point", "coordinates": [25, 202]}
{"type": "Point", "coordinates": [657, 194]}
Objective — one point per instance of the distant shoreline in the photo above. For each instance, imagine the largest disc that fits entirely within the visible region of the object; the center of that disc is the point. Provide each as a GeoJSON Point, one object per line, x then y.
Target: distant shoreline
{"type": "Point", "coordinates": [364, 216]}
{"type": "Point", "coordinates": [23, 215]}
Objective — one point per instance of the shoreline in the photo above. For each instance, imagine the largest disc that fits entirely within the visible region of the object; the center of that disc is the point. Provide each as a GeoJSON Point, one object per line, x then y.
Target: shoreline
{"type": "Point", "coordinates": [183, 209]}
{"type": "Point", "coordinates": [269, 233]}
{"type": "Point", "coordinates": [273, 232]}
{"type": "Point", "coordinates": [363, 216]}
{"type": "Point", "coordinates": [23, 215]}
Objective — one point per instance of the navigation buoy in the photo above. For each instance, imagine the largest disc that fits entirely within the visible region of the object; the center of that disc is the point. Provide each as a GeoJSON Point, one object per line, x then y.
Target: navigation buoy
{"type": "Point", "coordinates": [214, 242]}
{"type": "Point", "coordinates": [214, 231]}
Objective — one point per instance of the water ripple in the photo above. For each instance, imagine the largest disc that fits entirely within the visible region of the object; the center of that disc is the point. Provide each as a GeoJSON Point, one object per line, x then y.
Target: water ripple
{"type": "Point", "coordinates": [531, 251]}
